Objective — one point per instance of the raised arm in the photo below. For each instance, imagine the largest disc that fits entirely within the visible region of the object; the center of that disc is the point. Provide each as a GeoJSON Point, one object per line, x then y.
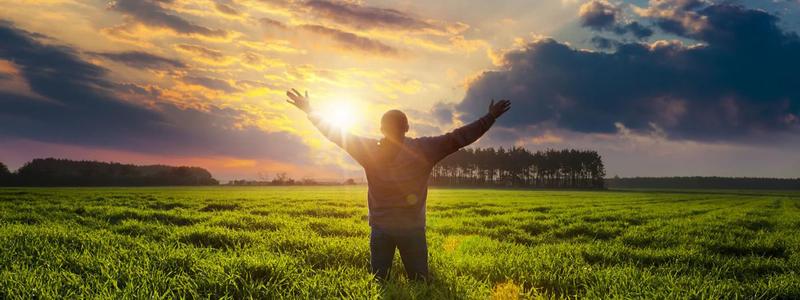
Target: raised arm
{"type": "Point", "coordinates": [353, 144]}
{"type": "Point", "coordinates": [441, 146]}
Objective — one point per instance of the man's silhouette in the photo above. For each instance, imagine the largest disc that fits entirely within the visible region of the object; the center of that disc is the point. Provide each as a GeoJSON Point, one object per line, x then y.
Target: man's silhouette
{"type": "Point", "coordinates": [397, 169]}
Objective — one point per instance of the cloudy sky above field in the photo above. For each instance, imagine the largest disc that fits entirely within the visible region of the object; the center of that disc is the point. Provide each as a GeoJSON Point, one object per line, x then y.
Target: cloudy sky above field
{"type": "Point", "coordinates": [659, 88]}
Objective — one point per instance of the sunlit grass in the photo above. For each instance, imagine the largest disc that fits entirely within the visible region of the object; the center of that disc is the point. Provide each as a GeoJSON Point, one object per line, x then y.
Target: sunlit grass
{"type": "Point", "coordinates": [312, 242]}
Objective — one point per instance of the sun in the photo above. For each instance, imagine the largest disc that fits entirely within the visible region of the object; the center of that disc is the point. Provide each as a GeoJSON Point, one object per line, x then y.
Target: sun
{"type": "Point", "coordinates": [342, 117]}
{"type": "Point", "coordinates": [342, 114]}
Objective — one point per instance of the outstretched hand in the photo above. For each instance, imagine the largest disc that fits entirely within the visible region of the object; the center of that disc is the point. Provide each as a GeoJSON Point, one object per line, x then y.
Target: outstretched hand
{"type": "Point", "coordinates": [298, 100]}
{"type": "Point", "coordinates": [499, 108]}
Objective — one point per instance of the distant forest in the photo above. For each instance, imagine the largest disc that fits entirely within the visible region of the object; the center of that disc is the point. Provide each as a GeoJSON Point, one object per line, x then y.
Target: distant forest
{"type": "Point", "coordinates": [519, 167]}
{"type": "Point", "coordinates": [698, 182]}
{"type": "Point", "coordinates": [63, 172]}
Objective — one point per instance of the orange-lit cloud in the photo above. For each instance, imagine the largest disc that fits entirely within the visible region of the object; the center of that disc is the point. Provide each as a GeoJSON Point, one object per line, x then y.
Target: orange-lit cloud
{"type": "Point", "coordinates": [153, 14]}
{"type": "Point", "coordinates": [140, 59]}
{"type": "Point", "coordinates": [205, 55]}
{"type": "Point", "coordinates": [11, 80]}
{"type": "Point", "coordinates": [350, 41]}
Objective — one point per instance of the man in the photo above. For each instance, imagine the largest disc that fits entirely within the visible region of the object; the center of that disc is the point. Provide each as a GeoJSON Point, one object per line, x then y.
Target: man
{"type": "Point", "coordinates": [397, 170]}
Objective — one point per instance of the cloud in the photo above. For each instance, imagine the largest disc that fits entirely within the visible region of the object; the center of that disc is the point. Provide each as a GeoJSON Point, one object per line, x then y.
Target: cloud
{"type": "Point", "coordinates": [738, 83]}
{"type": "Point", "coordinates": [600, 15]}
{"type": "Point", "coordinates": [365, 17]}
{"type": "Point", "coordinates": [352, 41]}
{"type": "Point", "coordinates": [346, 40]}
{"type": "Point", "coordinates": [205, 55]}
{"type": "Point", "coordinates": [443, 112]}
{"type": "Point", "coordinates": [728, 26]}
{"type": "Point", "coordinates": [226, 8]}
{"type": "Point", "coordinates": [151, 13]}
{"type": "Point", "coordinates": [636, 29]}
{"type": "Point", "coordinates": [142, 60]}
{"type": "Point", "coordinates": [211, 83]}
{"type": "Point", "coordinates": [201, 51]}
{"type": "Point", "coordinates": [357, 26]}
{"type": "Point", "coordinates": [603, 43]}
{"type": "Point", "coordinates": [270, 23]}
{"type": "Point", "coordinates": [680, 11]}
{"type": "Point", "coordinates": [84, 108]}
{"type": "Point", "coordinates": [358, 16]}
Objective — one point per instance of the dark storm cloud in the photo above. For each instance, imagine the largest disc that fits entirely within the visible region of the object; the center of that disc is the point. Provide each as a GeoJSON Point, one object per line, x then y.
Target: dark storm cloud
{"type": "Point", "coordinates": [81, 108]}
{"type": "Point", "coordinates": [740, 82]}
{"type": "Point", "coordinates": [153, 14]}
{"type": "Point", "coordinates": [728, 26]}
{"type": "Point", "coordinates": [352, 41]}
{"type": "Point", "coordinates": [635, 28]}
{"type": "Point", "coordinates": [601, 15]}
{"type": "Point", "coordinates": [364, 17]}
{"type": "Point", "coordinates": [142, 60]}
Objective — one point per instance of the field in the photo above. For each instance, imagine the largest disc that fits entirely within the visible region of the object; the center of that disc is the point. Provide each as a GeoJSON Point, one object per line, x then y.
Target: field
{"type": "Point", "coordinates": [312, 242]}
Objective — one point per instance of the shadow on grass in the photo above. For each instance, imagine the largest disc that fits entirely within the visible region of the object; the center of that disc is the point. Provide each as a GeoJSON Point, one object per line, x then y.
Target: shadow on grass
{"type": "Point", "coordinates": [167, 205]}
{"type": "Point", "coordinates": [160, 217]}
{"type": "Point", "coordinates": [590, 231]}
{"type": "Point", "coordinates": [327, 212]}
{"type": "Point", "coordinates": [219, 207]}
{"type": "Point", "coordinates": [775, 249]}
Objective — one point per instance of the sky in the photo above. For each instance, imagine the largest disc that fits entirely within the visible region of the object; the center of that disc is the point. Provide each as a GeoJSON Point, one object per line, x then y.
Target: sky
{"type": "Point", "coordinates": [658, 88]}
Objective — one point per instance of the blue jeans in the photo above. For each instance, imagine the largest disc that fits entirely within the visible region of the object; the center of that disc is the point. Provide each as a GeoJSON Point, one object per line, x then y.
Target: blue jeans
{"type": "Point", "coordinates": [413, 251]}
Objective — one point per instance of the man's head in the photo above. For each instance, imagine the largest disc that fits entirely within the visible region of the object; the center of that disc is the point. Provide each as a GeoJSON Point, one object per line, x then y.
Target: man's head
{"type": "Point", "coordinates": [394, 124]}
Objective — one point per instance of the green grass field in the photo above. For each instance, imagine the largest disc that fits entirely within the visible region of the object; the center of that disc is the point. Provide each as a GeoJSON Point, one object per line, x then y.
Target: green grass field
{"type": "Point", "coordinates": [312, 242]}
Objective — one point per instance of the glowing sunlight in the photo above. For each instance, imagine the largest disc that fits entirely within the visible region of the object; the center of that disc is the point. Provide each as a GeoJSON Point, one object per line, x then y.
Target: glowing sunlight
{"type": "Point", "coordinates": [341, 113]}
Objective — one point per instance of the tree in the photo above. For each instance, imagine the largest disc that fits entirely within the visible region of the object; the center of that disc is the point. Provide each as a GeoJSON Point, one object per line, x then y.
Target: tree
{"type": "Point", "coordinates": [282, 179]}
{"type": "Point", "coordinates": [5, 175]}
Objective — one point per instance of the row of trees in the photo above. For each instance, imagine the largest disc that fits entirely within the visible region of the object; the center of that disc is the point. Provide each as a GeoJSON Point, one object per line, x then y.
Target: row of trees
{"type": "Point", "coordinates": [568, 168]}
{"type": "Point", "coordinates": [282, 178]}
{"type": "Point", "coordinates": [63, 172]}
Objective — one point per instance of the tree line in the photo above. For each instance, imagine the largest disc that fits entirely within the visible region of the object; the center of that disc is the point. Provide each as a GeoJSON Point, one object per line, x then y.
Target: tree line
{"type": "Point", "coordinates": [283, 179]}
{"type": "Point", "coordinates": [701, 182]}
{"type": "Point", "coordinates": [63, 172]}
{"type": "Point", "coordinates": [519, 167]}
